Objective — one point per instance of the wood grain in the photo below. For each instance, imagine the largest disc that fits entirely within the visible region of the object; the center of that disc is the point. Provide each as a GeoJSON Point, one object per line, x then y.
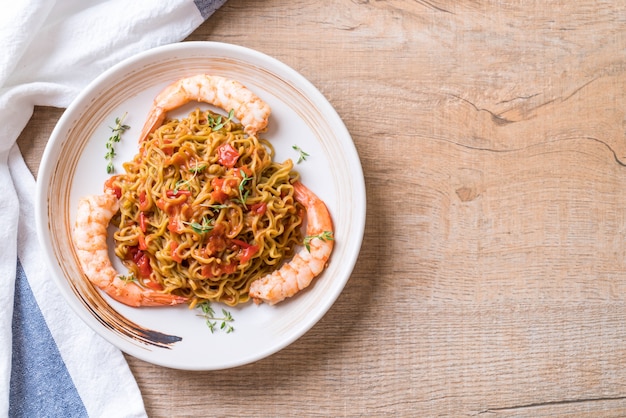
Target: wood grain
{"type": "Point", "coordinates": [492, 275]}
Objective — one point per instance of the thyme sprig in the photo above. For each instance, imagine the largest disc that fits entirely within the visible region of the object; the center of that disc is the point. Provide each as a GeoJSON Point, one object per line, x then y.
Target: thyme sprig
{"type": "Point", "coordinates": [324, 236]}
{"type": "Point", "coordinates": [215, 207]}
{"type": "Point", "coordinates": [179, 184]}
{"type": "Point", "coordinates": [201, 228]}
{"type": "Point", "coordinates": [117, 131]}
{"type": "Point", "coordinates": [182, 183]}
{"type": "Point", "coordinates": [302, 154]}
{"type": "Point", "coordinates": [198, 168]}
{"type": "Point", "coordinates": [218, 122]}
{"type": "Point", "coordinates": [208, 313]}
{"type": "Point", "coordinates": [128, 279]}
{"type": "Point", "coordinates": [218, 207]}
{"type": "Point", "coordinates": [243, 194]}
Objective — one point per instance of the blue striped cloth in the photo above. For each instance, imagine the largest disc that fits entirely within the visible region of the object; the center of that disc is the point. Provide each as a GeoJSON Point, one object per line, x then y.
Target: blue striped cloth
{"type": "Point", "coordinates": [51, 363]}
{"type": "Point", "coordinates": [37, 369]}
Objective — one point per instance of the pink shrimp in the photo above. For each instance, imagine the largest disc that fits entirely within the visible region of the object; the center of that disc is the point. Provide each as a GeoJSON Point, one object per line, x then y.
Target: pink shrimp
{"type": "Point", "coordinates": [218, 91]}
{"type": "Point", "coordinates": [90, 239]}
{"type": "Point", "coordinates": [298, 273]}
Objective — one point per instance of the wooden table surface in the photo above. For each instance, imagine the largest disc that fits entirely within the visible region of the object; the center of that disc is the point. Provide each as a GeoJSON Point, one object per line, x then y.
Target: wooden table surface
{"type": "Point", "coordinates": [492, 276]}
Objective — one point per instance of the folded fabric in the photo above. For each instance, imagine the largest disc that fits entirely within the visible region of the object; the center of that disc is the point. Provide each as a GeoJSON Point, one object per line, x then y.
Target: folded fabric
{"type": "Point", "coordinates": [60, 367]}
{"type": "Point", "coordinates": [51, 364]}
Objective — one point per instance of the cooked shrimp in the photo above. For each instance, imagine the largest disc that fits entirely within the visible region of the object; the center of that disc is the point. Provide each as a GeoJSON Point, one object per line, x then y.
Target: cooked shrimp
{"type": "Point", "coordinates": [227, 94]}
{"type": "Point", "coordinates": [298, 273]}
{"type": "Point", "coordinates": [90, 238]}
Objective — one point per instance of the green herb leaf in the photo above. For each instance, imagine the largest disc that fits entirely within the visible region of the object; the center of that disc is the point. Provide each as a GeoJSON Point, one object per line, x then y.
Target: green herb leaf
{"type": "Point", "coordinates": [215, 207]}
{"type": "Point", "coordinates": [201, 228]}
{"type": "Point", "coordinates": [197, 168]}
{"type": "Point", "coordinates": [302, 154]}
{"type": "Point", "coordinates": [324, 236]}
{"type": "Point", "coordinates": [218, 122]}
{"type": "Point", "coordinates": [211, 320]}
{"type": "Point", "coordinates": [218, 207]}
{"type": "Point", "coordinates": [117, 131]}
{"type": "Point", "coordinates": [180, 183]}
{"type": "Point", "coordinates": [243, 194]}
{"type": "Point", "coordinates": [128, 279]}
{"type": "Point", "coordinates": [207, 309]}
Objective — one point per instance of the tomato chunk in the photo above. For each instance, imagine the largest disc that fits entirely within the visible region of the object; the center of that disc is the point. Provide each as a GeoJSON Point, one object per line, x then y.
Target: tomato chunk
{"type": "Point", "coordinates": [222, 189]}
{"type": "Point", "coordinates": [152, 284]}
{"type": "Point", "coordinates": [216, 270]}
{"type": "Point", "coordinates": [228, 155]}
{"type": "Point", "coordinates": [246, 251]}
{"type": "Point", "coordinates": [175, 256]}
{"type": "Point", "coordinates": [258, 208]}
{"type": "Point", "coordinates": [142, 222]}
{"type": "Point", "coordinates": [144, 203]}
{"type": "Point", "coordinates": [109, 186]}
{"type": "Point", "coordinates": [141, 260]}
{"type": "Point", "coordinates": [174, 224]}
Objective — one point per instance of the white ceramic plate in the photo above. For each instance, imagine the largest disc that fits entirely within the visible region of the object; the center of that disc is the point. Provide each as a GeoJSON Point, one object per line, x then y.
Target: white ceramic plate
{"type": "Point", "coordinates": [73, 165]}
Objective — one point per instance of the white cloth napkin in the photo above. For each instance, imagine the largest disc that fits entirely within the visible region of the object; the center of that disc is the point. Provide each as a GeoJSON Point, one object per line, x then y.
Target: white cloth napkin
{"type": "Point", "coordinates": [51, 363]}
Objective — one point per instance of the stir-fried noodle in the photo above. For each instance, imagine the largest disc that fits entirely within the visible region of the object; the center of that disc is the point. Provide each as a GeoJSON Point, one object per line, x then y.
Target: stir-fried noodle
{"type": "Point", "coordinates": [204, 210]}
